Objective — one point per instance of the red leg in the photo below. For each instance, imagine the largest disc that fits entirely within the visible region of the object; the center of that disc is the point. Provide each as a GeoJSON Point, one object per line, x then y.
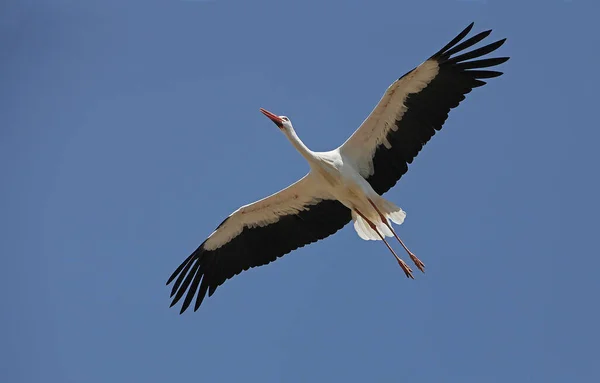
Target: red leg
{"type": "Point", "coordinates": [420, 265]}
{"type": "Point", "coordinates": [402, 264]}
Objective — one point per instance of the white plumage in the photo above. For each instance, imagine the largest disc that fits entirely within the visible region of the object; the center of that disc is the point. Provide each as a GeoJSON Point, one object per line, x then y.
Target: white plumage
{"type": "Point", "coordinates": [344, 184]}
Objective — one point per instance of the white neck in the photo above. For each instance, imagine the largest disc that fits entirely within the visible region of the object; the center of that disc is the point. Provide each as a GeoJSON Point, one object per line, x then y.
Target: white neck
{"type": "Point", "coordinates": [299, 145]}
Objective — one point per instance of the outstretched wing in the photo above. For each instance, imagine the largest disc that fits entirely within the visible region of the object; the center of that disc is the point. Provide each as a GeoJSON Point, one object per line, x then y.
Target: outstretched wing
{"type": "Point", "coordinates": [415, 106]}
{"type": "Point", "coordinates": [257, 234]}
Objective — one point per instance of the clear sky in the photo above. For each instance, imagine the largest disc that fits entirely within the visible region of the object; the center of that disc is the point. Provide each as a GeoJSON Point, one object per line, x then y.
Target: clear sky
{"type": "Point", "coordinates": [130, 129]}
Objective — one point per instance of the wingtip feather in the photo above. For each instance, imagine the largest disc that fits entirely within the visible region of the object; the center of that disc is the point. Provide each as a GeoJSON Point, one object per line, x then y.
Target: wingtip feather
{"type": "Point", "coordinates": [170, 279]}
{"type": "Point", "coordinates": [455, 40]}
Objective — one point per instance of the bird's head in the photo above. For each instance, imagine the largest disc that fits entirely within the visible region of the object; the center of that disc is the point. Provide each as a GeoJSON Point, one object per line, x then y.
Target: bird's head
{"type": "Point", "coordinates": [282, 122]}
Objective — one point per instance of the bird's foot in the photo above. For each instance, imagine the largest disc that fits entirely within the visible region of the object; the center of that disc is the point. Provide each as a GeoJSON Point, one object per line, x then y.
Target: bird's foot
{"type": "Point", "coordinates": [420, 265]}
{"type": "Point", "coordinates": [406, 269]}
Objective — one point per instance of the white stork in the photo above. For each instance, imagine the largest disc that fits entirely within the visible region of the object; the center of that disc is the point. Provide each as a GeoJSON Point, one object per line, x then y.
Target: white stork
{"type": "Point", "coordinates": [344, 184]}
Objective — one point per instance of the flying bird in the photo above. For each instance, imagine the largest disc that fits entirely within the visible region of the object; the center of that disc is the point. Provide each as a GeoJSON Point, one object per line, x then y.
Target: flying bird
{"type": "Point", "coordinates": [344, 184]}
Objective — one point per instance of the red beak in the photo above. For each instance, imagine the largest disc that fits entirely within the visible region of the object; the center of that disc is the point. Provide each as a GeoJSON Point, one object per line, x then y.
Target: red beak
{"type": "Point", "coordinates": [276, 119]}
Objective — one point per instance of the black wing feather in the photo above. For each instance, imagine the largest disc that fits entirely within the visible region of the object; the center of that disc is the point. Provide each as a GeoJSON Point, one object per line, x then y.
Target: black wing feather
{"type": "Point", "coordinates": [205, 270]}
{"type": "Point", "coordinates": [428, 109]}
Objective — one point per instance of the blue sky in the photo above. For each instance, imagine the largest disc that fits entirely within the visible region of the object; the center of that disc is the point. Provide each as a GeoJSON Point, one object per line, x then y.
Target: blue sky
{"type": "Point", "coordinates": [129, 130]}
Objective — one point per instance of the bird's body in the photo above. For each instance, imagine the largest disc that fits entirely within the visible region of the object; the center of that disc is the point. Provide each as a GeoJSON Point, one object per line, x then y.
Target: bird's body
{"type": "Point", "coordinates": [338, 176]}
{"type": "Point", "coordinates": [344, 184]}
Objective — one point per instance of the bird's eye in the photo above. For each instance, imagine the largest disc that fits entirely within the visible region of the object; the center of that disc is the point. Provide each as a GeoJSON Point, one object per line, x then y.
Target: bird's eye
{"type": "Point", "coordinates": [285, 119]}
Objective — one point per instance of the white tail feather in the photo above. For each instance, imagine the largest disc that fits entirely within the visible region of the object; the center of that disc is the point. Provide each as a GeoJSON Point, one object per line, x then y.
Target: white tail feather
{"type": "Point", "coordinates": [364, 231]}
{"type": "Point", "coordinates": [389, 210]}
